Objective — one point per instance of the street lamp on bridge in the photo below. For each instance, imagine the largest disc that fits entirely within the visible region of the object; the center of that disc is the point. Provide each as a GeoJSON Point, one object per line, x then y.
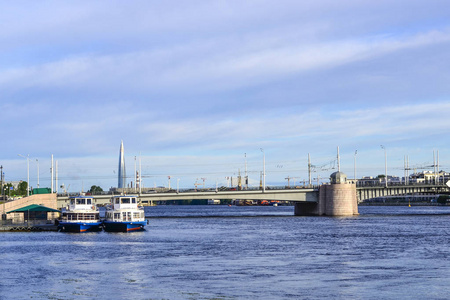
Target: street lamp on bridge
{"type": "Point", "coordinates": [264, 170]}
{"type": "Point", "coordinates": [37, 161]}
{"type": "Point", "coordinates": [385, 166]}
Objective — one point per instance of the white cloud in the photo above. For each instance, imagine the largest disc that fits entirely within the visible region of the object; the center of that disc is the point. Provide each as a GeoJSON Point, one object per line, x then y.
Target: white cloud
{"type": "Point", "coordinates": [205, 66]}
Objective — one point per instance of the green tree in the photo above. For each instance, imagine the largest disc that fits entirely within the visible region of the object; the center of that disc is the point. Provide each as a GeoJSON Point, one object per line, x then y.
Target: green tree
{"type": "Point", "coordinates": [95, 190]}
{"type": "Point", "coordinates": [22, 188]}
{"type": "Point", "coordinates": [8, 190]}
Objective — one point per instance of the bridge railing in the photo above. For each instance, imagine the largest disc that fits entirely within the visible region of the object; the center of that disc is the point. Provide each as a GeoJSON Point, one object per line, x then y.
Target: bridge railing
{"type": "Point", "coordinates": [166, 190]}
{"type": "Point", "coordinates": [398, 184]}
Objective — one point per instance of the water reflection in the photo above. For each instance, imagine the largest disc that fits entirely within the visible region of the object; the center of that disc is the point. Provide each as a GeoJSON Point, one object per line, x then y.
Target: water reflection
{"type": "Point", "coordinates": [238, 254]}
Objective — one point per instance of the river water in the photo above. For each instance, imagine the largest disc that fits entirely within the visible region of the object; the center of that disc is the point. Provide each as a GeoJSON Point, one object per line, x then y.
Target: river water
{"type": "Point", "coordinates": [221, 252]}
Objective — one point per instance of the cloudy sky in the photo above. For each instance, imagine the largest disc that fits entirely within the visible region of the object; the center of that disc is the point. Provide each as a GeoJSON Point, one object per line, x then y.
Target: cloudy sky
{"type": "Point", "coordinates": [196, 88]}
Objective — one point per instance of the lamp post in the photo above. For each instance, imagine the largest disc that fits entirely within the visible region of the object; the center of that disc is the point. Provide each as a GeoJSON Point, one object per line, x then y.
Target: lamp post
{"type": "Point", "coordinates": [1, 180]}
{"type": "Point", "coordinates": [264, 170]}
{"type": "Point", "coordinates": [135, 174]}
{"type": "Point", "coordinates": [385, 166]}
{"type": "Point", "coordinates": [246, 176]}
{"type": "Point", "coordinates": [37, 161]}
{"type": "Point", "coordinates": [140, 174]}
{"type": "Point", "coordinates": [28, 172]}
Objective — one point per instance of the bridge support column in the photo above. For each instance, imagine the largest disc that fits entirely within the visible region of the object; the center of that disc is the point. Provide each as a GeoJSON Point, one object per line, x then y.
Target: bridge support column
{"type": "Point", "coordinates": [339, 199]}
{"type": "Point", "coordinates": [336, 199]}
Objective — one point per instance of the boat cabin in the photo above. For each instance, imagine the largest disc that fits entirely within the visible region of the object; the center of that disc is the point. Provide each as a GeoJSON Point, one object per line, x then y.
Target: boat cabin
{"type": "Point", "coordinates": [81, 209]}
{"type": "Point", "coordinates": [125, 202]}
{"type": "Point", "coordinates": [81, 203]}
{"type": "Point", "coordinates": [125, 209]}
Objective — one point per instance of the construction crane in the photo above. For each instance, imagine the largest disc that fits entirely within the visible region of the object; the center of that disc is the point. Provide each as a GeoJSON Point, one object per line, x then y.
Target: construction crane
{"type": "Point", "coordinates": [196, 184]}
{"type": "Point", "coordinates": [289, 180]}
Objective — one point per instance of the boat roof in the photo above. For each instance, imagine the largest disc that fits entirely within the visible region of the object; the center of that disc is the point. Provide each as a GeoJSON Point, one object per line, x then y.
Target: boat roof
{"type": "Point", "coordinates": [80, 196]}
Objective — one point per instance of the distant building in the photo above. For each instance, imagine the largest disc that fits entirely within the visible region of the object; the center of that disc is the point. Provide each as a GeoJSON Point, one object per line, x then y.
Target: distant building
{"type": "Point", "coordinates": [369, 181]}
{"type": "Point", "coordinates": [375, 181]}
{"type": "Point", "coordinates": [425, 177]}
{"type": "Point", "coordinates": [14, 184]}
{"type": "Point", "coordinates": [122, 177]}
{"type": "Point", "coordinates": [429, 177]}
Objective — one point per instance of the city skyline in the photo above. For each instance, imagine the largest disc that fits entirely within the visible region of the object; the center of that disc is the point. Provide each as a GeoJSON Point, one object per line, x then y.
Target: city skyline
{"type": "Point", "coordinates": [195, 89]}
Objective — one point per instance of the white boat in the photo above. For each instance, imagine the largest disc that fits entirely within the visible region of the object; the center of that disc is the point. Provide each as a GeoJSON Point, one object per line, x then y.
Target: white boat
{"type": "Point", "coordinates": [81, 215]}
{"type": "Point", "coordinates": [124, 214]}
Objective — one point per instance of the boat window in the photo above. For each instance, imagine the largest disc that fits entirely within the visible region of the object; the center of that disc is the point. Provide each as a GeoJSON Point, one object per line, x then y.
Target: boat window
{"type": "Point", "coordinates": [81, 201]}
{"type": "Point", "coordinates": [117, 216]}
{"type": "Point", "coordinates": [72, 201]}
{"type": "Point", "coordinates": [136, 215]}
{"type": "Point", "coordinates": [88, 201]}
{"type": "Point", "coordinates": [133, 200]}
{"type": "Point", "coordinates": [117, 200]}
{"type": "Point", "coordinates": [125, 200]}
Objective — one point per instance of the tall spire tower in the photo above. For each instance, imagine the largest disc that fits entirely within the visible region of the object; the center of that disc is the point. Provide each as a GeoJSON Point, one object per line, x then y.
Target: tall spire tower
{"type": "Point", "coordinates": [122, 174]}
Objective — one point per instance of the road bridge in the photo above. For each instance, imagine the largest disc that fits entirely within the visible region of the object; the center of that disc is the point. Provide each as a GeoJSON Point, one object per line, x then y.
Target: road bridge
{"type": "Point", "coordinates": [292, 195]}
{"type": "Point", "coordinates": [340, 197]}
{"type": "Point", "coordinates": [371, 192]}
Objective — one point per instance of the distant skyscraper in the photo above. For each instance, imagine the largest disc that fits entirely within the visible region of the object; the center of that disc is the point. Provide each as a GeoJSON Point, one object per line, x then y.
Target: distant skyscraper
{"type": "Point", "coordinates": [122, 174]}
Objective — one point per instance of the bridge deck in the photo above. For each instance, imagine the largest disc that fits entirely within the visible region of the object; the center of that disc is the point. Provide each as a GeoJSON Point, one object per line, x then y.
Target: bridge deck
{"type": "Point", "coordinates": [295, 195]}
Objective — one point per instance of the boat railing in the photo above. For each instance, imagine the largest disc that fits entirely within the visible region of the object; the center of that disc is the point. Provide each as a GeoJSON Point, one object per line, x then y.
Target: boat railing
{"type": "Point", "coordinates": [82, 216]}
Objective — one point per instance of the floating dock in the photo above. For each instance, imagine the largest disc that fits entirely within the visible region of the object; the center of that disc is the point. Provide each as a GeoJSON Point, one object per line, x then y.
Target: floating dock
{"type": "Point", "coordinates": [19, 227]}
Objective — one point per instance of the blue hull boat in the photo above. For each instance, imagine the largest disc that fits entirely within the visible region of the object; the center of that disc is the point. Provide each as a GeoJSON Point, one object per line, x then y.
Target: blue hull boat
{"type": "Point", "coordinates": [79, 227]}
{"type": "Point", "coordinates": [80, 216]}
{"type": "Point", "coordinates": [111, 226]}
{"type": "Point", "coordinates": [124, 215]}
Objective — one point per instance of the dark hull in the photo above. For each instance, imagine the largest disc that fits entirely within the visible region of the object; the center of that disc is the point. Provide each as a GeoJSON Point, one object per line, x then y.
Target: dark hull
{"type": "Point", "coordinates": [123, 226]}
{"type": "Point", "coordinates": [79, 227]}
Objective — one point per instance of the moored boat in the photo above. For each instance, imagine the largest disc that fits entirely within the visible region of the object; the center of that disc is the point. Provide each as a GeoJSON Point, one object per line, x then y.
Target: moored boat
{"type": "Point", "coordinates": [213, 201]}
{"type": "Point", "coordinates": [124, 215]}
{"type": "Point", "coordinates": [81, 215]}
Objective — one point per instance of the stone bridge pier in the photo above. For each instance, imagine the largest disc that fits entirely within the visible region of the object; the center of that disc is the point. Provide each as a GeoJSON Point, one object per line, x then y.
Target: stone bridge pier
{"type": "Point", "coordinates": [335, 199]}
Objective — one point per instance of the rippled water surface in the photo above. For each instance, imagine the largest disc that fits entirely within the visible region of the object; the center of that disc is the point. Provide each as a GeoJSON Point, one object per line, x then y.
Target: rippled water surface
{"type": "Point", "coordinates": [221, 252]}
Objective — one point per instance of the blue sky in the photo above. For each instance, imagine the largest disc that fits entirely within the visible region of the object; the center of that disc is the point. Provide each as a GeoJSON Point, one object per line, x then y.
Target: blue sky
{"type": "Point", "coordinates": [190, 86]}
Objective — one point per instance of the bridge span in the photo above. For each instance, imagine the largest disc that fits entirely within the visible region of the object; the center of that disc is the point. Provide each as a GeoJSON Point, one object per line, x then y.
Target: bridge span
{"type": "Point", "coordinates": [340, 197]}
{"type": "Point", "coordinates": [371, 192]}
{"type": "Point", "coordinates": [292, 195]}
